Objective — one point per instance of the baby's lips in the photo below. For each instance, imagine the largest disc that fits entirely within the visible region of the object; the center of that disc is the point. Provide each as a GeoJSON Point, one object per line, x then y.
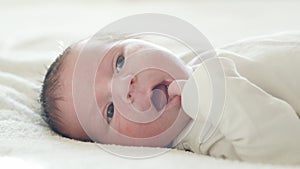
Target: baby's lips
{"type": "Point", "coordinates": [175, 87]}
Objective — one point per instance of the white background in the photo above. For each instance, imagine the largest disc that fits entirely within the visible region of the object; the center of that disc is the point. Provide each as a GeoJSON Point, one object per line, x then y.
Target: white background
{"type": "Point", "coordinates": [38, 25]}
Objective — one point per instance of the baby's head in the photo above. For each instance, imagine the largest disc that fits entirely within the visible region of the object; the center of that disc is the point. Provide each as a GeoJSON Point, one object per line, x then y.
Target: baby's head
{"type": "Point", "coordinates": [130, 86]}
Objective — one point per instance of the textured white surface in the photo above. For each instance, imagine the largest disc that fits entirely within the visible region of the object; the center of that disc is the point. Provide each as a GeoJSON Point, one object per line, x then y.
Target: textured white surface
{"type": "Point", "coordinates": [29, 41]}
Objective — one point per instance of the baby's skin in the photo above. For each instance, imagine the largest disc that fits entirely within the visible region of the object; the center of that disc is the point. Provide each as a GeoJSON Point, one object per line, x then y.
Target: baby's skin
{"type": "Point", "coordinates": [117, 75]}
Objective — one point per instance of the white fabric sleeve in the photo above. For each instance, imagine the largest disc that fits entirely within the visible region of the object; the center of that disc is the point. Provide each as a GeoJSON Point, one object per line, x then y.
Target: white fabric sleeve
{"type": "Point", "coordinates": [255, 126]}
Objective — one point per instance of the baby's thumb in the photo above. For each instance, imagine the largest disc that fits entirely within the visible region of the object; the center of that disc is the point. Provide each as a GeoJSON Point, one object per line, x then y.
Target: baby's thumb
{"type": "Point", "coordinates": [175, 88]}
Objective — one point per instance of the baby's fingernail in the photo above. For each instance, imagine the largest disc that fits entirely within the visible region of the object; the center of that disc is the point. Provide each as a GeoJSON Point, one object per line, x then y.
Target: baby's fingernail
{"type": "Point", "coordinates": [175, 87]}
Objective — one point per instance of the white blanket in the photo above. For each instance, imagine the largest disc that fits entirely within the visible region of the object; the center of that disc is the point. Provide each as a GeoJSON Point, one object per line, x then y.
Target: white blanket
{"type": "Point", "coordinates": [260, 111]}
{"type": "Point", "coordinates": [26, 141]}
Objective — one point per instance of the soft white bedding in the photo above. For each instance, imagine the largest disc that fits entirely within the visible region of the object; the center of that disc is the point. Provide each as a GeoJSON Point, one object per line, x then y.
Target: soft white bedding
{"type": "Point", "coordinates": [26, 52]}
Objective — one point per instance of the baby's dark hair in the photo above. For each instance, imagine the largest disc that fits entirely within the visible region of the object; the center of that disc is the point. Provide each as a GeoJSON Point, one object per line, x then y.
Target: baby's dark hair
{"type": "Point", "coordinates": [51, 90]}
{"type": "Point", "coordinates": [50, 95]}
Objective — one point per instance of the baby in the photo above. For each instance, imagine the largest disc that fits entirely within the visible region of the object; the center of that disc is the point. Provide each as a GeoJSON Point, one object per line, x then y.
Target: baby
{"type": "Point", "coordinates": [146, 96]}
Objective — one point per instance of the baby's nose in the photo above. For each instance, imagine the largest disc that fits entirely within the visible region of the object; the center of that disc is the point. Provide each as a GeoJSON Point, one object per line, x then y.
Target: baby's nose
{"type": "Point", "coordinates": [139, 95]}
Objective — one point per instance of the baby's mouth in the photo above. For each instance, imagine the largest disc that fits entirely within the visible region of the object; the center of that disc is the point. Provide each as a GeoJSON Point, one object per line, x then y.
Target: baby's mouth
{"type": "Point", "coordinates": [160, 96]}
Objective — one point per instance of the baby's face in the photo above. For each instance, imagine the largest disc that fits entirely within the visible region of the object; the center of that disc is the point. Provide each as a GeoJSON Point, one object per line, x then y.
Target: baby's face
{"type": "Point", "coordinates": [128, 90]}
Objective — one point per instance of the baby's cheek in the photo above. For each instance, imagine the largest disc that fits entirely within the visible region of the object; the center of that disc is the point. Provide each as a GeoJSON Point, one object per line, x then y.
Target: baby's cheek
{"type": "Point", "coordinates": [121, 125]}
{"type": "Point", "coordinates": [115, 123]}
{"type": "Point", "coordinates": [130, 128]}
{"type": "Point", "coordinates": [125, 130]}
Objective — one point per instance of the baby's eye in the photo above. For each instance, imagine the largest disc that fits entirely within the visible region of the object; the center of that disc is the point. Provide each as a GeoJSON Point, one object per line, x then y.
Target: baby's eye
{"type": "Point", "coordinates": [110, 113]}
{"type": "Point", "coordinates": [120, 62]}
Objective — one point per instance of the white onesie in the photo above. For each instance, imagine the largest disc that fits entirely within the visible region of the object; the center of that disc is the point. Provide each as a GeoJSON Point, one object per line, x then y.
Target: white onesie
{"type": "Point", "coordinates": [260, 119]}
